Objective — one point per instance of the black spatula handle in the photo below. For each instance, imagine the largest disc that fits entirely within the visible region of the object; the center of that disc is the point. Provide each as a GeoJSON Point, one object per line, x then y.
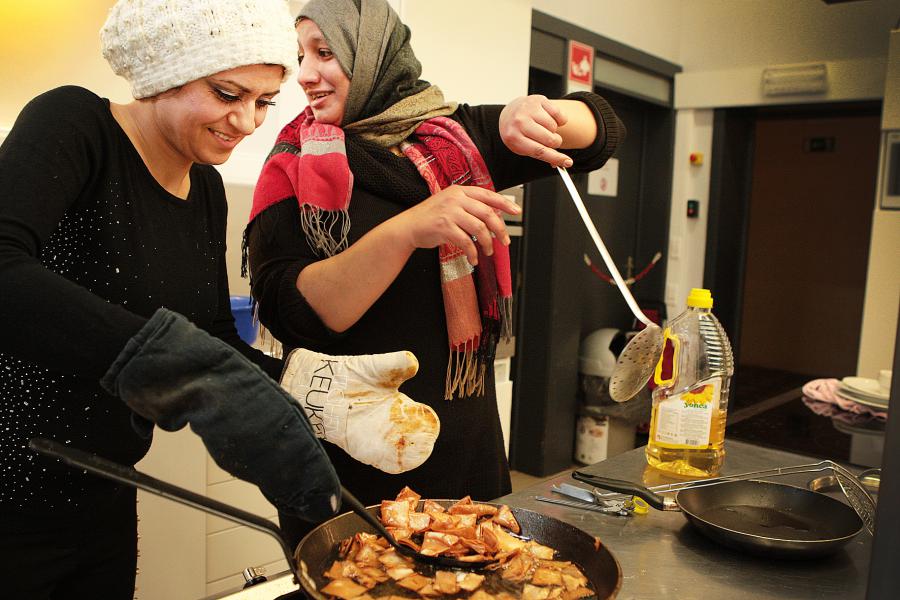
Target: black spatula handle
{"type": "Point", "coordinates": [623, 487]}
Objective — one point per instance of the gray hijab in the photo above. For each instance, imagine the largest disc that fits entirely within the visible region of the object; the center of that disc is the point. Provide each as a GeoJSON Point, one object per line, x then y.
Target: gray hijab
{"type": "Point", "coordinates": [372, 46]}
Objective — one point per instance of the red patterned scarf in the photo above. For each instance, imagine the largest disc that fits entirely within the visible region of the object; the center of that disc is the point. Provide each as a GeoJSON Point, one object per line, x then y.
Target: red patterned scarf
{"type": "Point", "coordinates": [445, 155]}
{"type": "Point", "coordinates": [309, 162]}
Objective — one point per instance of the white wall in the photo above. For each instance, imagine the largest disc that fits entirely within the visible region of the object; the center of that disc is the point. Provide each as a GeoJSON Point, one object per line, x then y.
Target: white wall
{"type": "Point", "coordinates": [653, 26]}
{"type": "Point", "coordinates": [738, 33]}
{"type": "Point", "coordinates": [476, 51]}
{"type": "Point", "coordinates": [726, 46]}
{"type": "Point", "coordinates": [879, 325]}
{"type": "Point", "coordinates": [687, 237]}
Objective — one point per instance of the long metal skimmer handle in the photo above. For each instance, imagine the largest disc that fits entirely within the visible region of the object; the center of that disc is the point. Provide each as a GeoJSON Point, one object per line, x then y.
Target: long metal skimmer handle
{"type": "Point", "coordinates": [598, 241]}
{"type": "Point", "coordinates": [859, 498]}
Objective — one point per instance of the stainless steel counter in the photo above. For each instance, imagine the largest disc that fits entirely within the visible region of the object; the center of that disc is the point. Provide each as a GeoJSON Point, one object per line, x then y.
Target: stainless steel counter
{"type": "Point", "coordinates": [663, 557]}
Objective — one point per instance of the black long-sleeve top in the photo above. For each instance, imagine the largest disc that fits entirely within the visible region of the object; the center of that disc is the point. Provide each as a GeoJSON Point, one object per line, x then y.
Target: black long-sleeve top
{"type": "Point", "coordinates": [90, 246]}
{"type": "Point", "coordinates": [468, 457]}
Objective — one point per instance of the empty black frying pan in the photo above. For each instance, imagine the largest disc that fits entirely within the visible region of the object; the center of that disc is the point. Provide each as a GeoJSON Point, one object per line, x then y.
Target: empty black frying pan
{"type": "Point", "coordinates": [761, 517]}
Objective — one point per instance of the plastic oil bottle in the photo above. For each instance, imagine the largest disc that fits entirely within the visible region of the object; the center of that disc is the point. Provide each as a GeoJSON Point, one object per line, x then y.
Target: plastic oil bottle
{"type": "Point", "coordinates": [690, 402]}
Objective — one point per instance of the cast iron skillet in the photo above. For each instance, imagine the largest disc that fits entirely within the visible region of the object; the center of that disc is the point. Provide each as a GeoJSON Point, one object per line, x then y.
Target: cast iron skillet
{"type": "Point", "coordinates": [316, 551]}
{"type": "Point", "coordinates": [761, 517]}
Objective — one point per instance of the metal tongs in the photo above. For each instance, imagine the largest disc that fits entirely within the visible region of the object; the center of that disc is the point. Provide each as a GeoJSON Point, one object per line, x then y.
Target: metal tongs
{"type": "Point", "coordinates": [592, 500]}
{"type": "Point", "coordinates": [584, 499]}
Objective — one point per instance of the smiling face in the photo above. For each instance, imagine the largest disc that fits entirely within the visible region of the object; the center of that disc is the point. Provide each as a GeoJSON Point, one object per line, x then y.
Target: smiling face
{"type": "Point", "coordinates": [323, 80]}
{"type": "Point", "coordinates": [205, 119]}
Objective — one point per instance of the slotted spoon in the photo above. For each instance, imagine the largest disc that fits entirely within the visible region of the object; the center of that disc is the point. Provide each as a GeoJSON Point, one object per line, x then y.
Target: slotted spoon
{"type": "Point", "coordinates": [636, 362]}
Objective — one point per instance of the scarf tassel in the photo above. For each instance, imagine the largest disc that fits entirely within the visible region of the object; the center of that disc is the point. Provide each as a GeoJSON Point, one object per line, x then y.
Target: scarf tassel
{"type": "Point", "coordinates": [506, 318]}
{"type": "Point", "coordinates": [465, 372]}
{"type": "Point", "coordinates": [467, 364]}
{"type": "Point", "coordinates": [319, 225]}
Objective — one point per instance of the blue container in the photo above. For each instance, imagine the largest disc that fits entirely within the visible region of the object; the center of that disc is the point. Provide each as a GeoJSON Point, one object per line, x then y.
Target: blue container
{"type": "Point", "coordinates": [243, 318]}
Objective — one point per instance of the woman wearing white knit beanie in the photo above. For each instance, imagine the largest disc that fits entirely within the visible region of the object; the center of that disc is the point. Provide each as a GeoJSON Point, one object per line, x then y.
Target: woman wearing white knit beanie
{"type": "Point", "coordinates": [113, 280]}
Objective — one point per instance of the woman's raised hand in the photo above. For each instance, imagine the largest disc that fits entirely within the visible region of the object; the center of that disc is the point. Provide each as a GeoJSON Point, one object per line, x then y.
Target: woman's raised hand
{"type": "Point", "coordinates": [459, 215]}
{"type": "Point", "coordinates": [530, 125]}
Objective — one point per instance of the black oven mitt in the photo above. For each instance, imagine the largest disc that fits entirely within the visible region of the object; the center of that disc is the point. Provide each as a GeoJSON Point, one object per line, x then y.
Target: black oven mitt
{"type": "Point", "coordinates": [175, 374]}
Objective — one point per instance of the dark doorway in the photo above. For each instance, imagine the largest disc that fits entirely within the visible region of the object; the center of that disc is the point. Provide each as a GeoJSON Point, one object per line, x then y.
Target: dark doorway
{"type": "Point", "coordinates": [791, 210]}
{"type": "Point", "coordinates": [560, 299]}
{"type": "Point", "coordinates": [634, 223]}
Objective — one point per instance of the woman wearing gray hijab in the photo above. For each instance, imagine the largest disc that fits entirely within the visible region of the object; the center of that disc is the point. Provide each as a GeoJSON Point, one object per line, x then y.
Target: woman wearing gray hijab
{"type": "Point", "coordinates": [375, 226]}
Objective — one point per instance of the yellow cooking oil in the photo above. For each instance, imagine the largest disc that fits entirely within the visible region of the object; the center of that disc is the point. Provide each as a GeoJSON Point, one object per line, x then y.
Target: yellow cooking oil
{"type": "Point", "coordinates": [690, 462]}
{"type": "Point", "coordinates": [690, 401]}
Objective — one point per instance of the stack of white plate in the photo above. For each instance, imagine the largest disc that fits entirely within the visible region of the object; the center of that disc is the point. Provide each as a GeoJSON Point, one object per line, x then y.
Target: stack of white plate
{"type": "Point", "coordinates": [865, 391]}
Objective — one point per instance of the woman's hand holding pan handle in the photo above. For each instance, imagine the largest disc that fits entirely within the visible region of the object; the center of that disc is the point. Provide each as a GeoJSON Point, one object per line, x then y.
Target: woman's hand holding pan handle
{"type": "Point", "coordinates": [538, 127]}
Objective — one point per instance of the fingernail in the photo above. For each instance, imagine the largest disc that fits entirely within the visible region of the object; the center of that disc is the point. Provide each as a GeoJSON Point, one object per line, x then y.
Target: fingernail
{"type": "Point", "coordinates": [569, 162]}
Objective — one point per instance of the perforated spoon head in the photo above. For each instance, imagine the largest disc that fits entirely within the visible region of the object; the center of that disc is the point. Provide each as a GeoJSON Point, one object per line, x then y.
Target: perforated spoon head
{"type": "Point", "coordinates": [636, 363]}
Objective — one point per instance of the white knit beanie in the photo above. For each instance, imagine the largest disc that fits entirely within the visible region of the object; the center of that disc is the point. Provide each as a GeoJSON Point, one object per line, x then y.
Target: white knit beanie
{"type": "Point", "coordinates": [161, 44]}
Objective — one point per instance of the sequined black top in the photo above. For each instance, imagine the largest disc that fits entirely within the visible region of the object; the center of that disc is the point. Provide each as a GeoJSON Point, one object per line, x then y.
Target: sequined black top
{"type": "Point", "coordinates": [90, 245]}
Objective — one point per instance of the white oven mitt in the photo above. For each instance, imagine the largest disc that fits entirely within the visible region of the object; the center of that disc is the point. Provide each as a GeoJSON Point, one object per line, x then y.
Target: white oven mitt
{"type": "Point", "coordinates": [354, 403]}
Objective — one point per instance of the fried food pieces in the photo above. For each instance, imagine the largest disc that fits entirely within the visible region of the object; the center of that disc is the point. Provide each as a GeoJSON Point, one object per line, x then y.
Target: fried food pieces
{"type": "Point", "coordinates": [368, 568]}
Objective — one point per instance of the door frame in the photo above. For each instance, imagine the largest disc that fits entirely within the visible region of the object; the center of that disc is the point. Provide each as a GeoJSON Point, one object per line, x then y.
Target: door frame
{"type": "Point", "coordinates": [731, 176]}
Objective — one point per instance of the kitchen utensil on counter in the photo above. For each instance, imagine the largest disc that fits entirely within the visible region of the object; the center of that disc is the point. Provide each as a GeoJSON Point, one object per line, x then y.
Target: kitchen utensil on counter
{"type": "Point", "coordinates": [588, 500]}
{"type": "Point", "coordinates": [637, 360]}
{"type": "Point", "coordinates": [614, 509]}
{"type": "Point", "coordinates": [578, 497]}
{"type": "Point", "coordinates": [761, 517]}
{"type": "Point", "coordinates": [316, 550]}
{"type": "Point", "coordinates": [132, 477]}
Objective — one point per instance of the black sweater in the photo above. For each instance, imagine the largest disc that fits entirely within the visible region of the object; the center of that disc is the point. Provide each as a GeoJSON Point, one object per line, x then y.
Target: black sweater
{"type": "Point", "coordinates": [468, 457]}
{"type": "Point", "coordinates": [90, 246]}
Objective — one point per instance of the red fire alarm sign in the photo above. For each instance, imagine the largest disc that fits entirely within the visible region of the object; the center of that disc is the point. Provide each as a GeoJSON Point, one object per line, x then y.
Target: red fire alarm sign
{"type": "Point", "coordinates": [581, 67]}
